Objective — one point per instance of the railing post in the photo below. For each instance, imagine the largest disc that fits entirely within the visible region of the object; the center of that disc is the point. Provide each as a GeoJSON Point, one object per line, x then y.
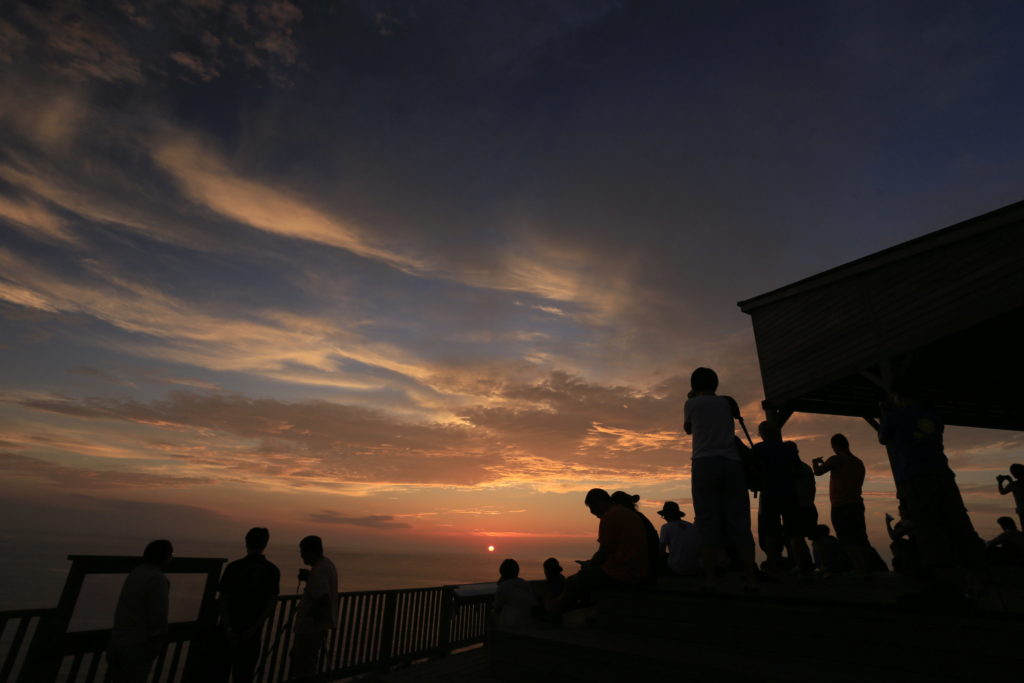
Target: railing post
{"type": "Point", "coordinates": [43, 658]}
{"type": "Point", "coordinates": [444, 637]}
{"type": "Point", "coordinates": [388, 635]}
{"type": "Point", "coordinates": [198, 660]}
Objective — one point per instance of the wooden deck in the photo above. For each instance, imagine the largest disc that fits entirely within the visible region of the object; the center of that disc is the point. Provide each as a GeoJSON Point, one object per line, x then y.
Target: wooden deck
{"type": "Point", "coordinates": [842, 629]}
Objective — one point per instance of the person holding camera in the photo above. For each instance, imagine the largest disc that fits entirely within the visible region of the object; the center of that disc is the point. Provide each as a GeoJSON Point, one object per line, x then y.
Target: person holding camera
{"type": "Point", "coordinates": [845, 485]}
{"type": "Point", "coordinates": [317, 611]}
{"type": "Point", "coordinates": [1014, 484]}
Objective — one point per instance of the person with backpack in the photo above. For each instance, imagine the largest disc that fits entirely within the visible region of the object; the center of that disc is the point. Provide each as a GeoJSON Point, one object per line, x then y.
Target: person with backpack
{"type": "Point", "coordinates": [721, 503]}
{"type": "Point", "coordinates": [780, 520]}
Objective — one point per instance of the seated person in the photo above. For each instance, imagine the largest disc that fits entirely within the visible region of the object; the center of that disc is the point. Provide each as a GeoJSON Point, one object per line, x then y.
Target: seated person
{"type": "Point", "coordinates": [1006, 549]}
{"type": "Point", "coordinates": [653, 549]}
{"type": "Point", "coordinates": [621, 558]}
{"type": "Point", "coordinates": [679, 543]}
{"type": "Point", "coordinates": [829, 556]}
{"type": "Point", "coordinates": [513, 600]}
{"type": "Point", "coordinates": [550, 592]}
{"type": "Point", "coordinates": [906, 556]}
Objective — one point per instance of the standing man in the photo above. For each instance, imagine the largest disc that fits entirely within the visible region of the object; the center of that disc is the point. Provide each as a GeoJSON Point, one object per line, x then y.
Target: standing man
{"type": "Point", "coordinates": [317, 611]}
{"type": "Point", "coordinates": [844, 492]}
{"type": "Point", "coordinates": [248, 595]}
{"type": "Point", "coordinates": [140, 620]}
{"type": "Point", "coordinates": [781, 519]}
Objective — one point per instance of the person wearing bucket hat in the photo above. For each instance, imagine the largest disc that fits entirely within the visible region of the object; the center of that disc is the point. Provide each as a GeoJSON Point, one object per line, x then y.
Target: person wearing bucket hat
{"type": "Point", "coordinates": [679, 543]}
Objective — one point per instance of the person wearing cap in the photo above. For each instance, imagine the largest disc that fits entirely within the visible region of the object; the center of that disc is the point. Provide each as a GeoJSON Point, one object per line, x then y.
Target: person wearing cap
{"type": "Point", "coordinates": [678, 541]}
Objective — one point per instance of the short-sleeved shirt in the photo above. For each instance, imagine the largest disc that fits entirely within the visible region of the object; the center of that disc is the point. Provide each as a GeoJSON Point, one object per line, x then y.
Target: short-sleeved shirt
{"type": "Point", "coordinates": [779, 461]}
{"type": "Point", "coordinates": [846, 479]}
{"type": "Point", "coordinates": [914, 436]}
{"type": "Point", "coordinates": [623, 537]}
{"type": "Point", "coordinates": [313, 614]}
{"type": "Point", "coordinates": [141, 612]}
{"type": "Point", "coordinates": [712, 427]}
{"type": "Point", "coordinates": [683, 546]}
{"type": "Point", "coordinates": [248, 585]}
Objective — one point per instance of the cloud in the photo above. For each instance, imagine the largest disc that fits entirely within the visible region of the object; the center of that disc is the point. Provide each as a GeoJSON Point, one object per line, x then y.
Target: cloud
{"type": "Point", "coordinates": [557, 434]}
{"type": "Point", "coordinates": [207, 179]}
{"type": "Point", "coordinates": [195, 64]}
{"type": "Point", "coordinates": [369, 521]}
{"type": "Point", "coordinates": [76, 43]}
{"type": "Point", "coordinates": [86, 42]}
{"type": "Point", "coordinates": [35, 219]}
{"type": "Point", "coordinates": [67, 476]}
{"type": "Point", "coordinates": [273, 343]}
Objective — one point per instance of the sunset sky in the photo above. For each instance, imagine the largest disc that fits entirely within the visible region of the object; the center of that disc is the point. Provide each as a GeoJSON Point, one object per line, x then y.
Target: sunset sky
{"type": "Point", "coordinates": [417, 274]}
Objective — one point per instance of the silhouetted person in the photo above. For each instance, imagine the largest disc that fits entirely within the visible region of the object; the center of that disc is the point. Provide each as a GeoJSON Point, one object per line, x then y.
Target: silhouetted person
{"type": "Point", "coordinates": [1014, 484]}
{"type": "Point", "coordinates": [721, 504]}
{"type": "Point", "coordinates": [140, 620]}
{"type": "Point", "coordinates": [906, 556]}
{"type": "Point", "coordinates": [1007, 549]}
{"type": "Point", "coordinates": [248, 595]}
{"type": "Point", "coordinates": [554, 585]}
{"type": "Point", "coordinates": [829, 555]}
{"type": "Point", "coordinates": [621, 558]}
{"type": "Point", "coordinates": [513, 599]}
{"type": "Point", "coordinates": [927, 489]}
{"type": "Point", "coordinates": [317, 611]}
{"type": "Point", "coordinates": [679, 542]}
{"type": "Point", "coordinates": [845, 485]}
{"type": "Point", "coordinates": [781, 520]}
{"type": "Point", "coordinates": [653, 553]}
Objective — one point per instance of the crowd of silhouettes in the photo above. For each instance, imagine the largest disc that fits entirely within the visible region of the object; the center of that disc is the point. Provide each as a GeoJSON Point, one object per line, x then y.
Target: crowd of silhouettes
{"type": "Point", "coordinates": [933, 539]}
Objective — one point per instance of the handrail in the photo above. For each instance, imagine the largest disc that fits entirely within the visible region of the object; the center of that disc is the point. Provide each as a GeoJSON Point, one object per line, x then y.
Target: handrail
{"type": "Point", "coordinates": [376, 630]}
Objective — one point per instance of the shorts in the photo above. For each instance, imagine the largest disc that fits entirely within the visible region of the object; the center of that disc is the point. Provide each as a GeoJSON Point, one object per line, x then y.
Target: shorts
{"type": "Point", "coordinates": [848, 524]}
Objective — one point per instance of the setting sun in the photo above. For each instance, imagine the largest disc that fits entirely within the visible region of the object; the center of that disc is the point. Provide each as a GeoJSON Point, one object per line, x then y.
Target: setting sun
{"type": "Point", "coordinates": [490, 548]}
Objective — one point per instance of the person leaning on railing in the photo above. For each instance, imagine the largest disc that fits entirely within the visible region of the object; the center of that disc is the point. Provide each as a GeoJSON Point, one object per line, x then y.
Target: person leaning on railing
{"type": "Point", "coordinates": [140, 620]}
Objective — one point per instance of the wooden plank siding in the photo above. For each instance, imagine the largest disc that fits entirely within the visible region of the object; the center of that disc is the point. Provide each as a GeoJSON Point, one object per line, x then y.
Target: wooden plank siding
{"type": "Point", "coordinates": [815, 337]}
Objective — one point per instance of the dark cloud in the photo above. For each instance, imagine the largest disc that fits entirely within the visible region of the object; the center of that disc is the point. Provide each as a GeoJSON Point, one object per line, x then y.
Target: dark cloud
{"type": "Point", "coordinates": [70, 477]}
{"type": "Point", "coordinates": [370, 521]}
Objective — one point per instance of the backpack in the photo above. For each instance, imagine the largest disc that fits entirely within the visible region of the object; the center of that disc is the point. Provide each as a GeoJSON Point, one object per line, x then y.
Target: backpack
{"type": "Point", "coordinates": [751, 466]}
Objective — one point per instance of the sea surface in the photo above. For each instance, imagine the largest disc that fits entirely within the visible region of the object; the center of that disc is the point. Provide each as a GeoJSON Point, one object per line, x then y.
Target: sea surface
{"type": "Point", "coordinates": [33, 571]}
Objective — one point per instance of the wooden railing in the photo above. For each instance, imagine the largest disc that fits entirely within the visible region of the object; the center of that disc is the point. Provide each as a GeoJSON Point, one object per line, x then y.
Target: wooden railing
{"type": "Point", "coordinates": [377, 629]}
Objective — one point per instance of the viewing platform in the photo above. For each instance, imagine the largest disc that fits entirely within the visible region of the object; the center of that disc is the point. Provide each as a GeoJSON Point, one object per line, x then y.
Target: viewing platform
{"type": "Point", "coordinates": [839, 629]}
